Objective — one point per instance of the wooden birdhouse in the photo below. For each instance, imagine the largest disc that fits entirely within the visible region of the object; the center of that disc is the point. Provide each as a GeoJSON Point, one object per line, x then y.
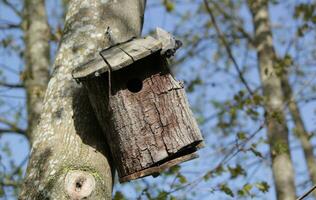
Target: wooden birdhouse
{"type": "Point", "coordinates": [142, 109]}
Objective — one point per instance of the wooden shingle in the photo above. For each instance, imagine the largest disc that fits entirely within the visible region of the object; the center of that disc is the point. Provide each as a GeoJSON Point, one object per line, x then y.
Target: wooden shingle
{"type": "Point", "coordinates": [118, 57]}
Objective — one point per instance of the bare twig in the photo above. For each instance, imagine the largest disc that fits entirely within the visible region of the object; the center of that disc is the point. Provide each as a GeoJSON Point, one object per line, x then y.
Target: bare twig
{"type": "Point", "coordinates": [13, 127]}
{"type": "Point", "coordinates": [11, 96]}
{"type": "Point", "coordinates": [10, 183]}
{"type": "Point", "coordinates": [9, 69]}
{"type": "Point", "coordinates": [11, 85]}
{"type": "Point", "coordinates": [9, 26]}
{"type": "Point", "coordinates": [237, 25]}
{"type": "Point", "coordinates": [18, 131]}
{"type": "Point", "coordinates": [13, 7]}
{"type": "Point", "coordinates": [235, 150]}
{"type": "Point", "coordinates": [227, 47]}
{"type": "Point", "coordinates": [229, 156]}
{"type": "Point", "coordinates": [18, 168]}
{"type": "Point", "coordinates": [307, 193]}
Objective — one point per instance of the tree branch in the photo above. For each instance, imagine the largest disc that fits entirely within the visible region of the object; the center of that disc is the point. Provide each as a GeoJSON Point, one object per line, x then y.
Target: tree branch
{"type": "Point", "coordinates": [13, 128]}
{"type": "Point", "coordinates": [10, 183]}
{"type": "Point", "coordinates": [227, 47]}
{"type": "Point", "coordinates": [239, 28]}
{"type": "Point", "coordinates": [19, 131]}
{"type": "Point", "coordinates": [307, 193]}
{"type": "Point", "coordinates": [9, 26]}
{"type": "Point", "coordinates": [11, 85]}
{"type": "Point", "coordinates": [9, 69]}
{"type": "Point", "coordinates": [13, 7]}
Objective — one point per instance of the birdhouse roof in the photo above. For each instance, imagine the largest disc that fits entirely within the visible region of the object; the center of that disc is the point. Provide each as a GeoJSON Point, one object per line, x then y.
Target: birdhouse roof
{"type": "Point", "coordinates": [118, 56]}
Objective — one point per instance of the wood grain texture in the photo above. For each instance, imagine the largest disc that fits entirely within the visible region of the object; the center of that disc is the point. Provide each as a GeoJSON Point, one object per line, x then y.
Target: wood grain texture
{"type": "Point", "coordinates": [155, 170]}
{"type": "Point", "coordinates": [146, 128]}
{"type": "Point", "coordinates": [118, 57]}
{"type": "Point", "coordinates": [93, 67]}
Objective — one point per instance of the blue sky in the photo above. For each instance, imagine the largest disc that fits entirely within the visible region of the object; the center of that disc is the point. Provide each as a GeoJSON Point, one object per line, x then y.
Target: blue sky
{"type": "Point", "coordinates": [156, 16]}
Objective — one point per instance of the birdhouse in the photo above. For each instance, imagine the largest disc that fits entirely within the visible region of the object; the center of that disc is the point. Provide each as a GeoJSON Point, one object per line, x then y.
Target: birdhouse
{"type": "Point", "coordinates": [142, 109]}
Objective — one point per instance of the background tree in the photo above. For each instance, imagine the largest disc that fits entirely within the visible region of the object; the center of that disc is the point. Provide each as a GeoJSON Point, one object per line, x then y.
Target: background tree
{"type": "Point", "coordinates": [219, 67]}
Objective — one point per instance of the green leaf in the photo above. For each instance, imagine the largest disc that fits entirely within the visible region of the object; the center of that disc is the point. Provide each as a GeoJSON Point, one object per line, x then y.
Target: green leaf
{"type": "Point", "coordinates": [207, 176]}
{"type": "Point", "coordinates": [247, 187]}
{"type": "Point", "coordinates": [182, 179]}
{"type": "Point", "coordinates": [162, 195]}
{"type": "Point", "coordinates": [224, 188]}
{"type": "Point", "coordinates": [241, 93]}
{"type": "Point", "coordinates": [119, 196]}
{"type": "Point", "coordinates": [219, 170]}
{"type": "Point", "coordinates": [255, 151]}
{"type": "Point", "coordinates": [241, 135]}
{"type": "Point", "coordinates": [257, 99]}
{"type": "Point", "coordinates": [20, 172]}
{"type": "Point", "coordinates": [169, 5]}
{"type": "Point", "coordinates": [1, 192]}
{"type": "Point", "coordinates": [173, 198]}
{"type": "Point", "coordinates": [245, 190]}
{"type": "Point", "coordinates": [252, 113]}
{"type": "Point", "coordinates": [233, 112]}
{"type": "Point", "coordinates": [173, 170]}
{"type": "Point", "coordinates": [197, 81]}
{"type": "Point", "coordinates": [236, 171]}
{"type": "Point", "coordinates": [263, 186]}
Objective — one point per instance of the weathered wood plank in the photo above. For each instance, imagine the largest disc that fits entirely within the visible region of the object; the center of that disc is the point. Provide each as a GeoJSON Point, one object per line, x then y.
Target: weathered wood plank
{"type": "Point", "coordinates": [158, 169]}
{"type": "Point", "coordinates": [151, 44]}
{"type": "Point", "coordinates": [140, 48]}
{"type": "Point", "coordinates": [96, 65]}
{"type": "Point", "coordinates": [118, 57]}
{"type": "Point", "coordinates": [125, 54]}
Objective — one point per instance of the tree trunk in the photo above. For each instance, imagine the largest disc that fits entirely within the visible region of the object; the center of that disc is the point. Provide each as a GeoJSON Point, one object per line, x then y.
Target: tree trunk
{"type": "Point", "coordinates": [300, 129]}
{"type": "Point", "coordinates": [274, 103]}
{"type": "Point", "coordinates": [36, 75]}
{"type": "Point", "coordinates": [69, 157]}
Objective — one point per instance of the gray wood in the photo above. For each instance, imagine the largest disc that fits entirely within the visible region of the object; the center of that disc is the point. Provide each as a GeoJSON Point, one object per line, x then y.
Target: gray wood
{"type": "Point", "coordinates": [150, 128]}
{"type": "Point", "coordinates": [152, 44]}
{"type": "Point", "coordinates": [140, 48]}
{"type": "Point", "coordinates": [155, 170]}
{"type": "Point", "coordinates": [118, 57]}
{"type": "Point", "coordinates": [93, 67]}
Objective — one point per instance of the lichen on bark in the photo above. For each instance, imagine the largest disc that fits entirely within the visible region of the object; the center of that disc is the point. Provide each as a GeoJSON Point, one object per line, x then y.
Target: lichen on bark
{"type": "Point", "coordinates": [68, 135]}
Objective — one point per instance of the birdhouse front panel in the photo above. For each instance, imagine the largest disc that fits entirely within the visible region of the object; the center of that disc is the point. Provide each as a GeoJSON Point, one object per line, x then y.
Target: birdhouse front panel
{"type": "Point", "coordinates": [145, 116]}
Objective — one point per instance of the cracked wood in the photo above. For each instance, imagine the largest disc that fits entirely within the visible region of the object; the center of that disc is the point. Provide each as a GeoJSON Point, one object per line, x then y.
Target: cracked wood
{"type": "Point", "coordinates": [150, 127]}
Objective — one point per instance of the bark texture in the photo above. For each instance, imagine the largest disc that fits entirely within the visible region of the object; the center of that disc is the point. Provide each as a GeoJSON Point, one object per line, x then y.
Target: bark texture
{"type": "Point", "coordinates": [36, 75]}
{"type": "Point", "coordinates": [300, 130]}
{"type": "Point", "coordinates": [274, 103]}
{"type": "Point", "coordinates": [150, 119]}
{"type": "Point", "coordinates": [69, 158]}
